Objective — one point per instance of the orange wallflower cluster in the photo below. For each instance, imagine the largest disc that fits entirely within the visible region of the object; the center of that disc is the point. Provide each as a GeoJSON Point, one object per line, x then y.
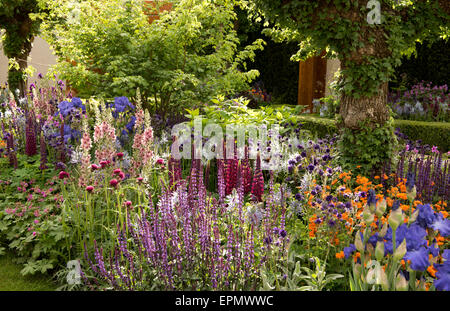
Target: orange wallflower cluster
{"type": "Point", "coordinates": [3, 145]}
{"type": "Point", "coordinates": [340, 255]}
{"type": "Point", "coordinates": [312, 226]}
{"type": "Point", "coordinates": [342, 188]}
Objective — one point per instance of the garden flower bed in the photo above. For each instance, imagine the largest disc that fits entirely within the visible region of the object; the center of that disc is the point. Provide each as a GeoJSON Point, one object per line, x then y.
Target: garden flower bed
{"type": "Point", "coordinates": [89, 183]}
{"type": "Point", "coordinates": [149, 172]}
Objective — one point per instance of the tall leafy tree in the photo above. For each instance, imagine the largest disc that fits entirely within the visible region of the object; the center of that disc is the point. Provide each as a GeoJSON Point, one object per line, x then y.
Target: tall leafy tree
{"type": "Point", "coordinates": [369, 38]}
{"type": "Point", "coordinates": [190, 54]}
{"type": "Point", "coordinates": [20, 28]}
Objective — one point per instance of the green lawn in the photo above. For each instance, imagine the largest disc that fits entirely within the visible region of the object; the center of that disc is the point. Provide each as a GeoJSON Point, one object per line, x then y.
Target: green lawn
{"type": "Point", "coordinates": [12, 280]}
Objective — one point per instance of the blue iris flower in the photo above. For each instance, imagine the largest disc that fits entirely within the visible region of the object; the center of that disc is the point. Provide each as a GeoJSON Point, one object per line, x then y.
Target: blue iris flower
{"type": "Point", "coordinates": [131, 124]}
{"type": "Point", "coordinates": [414, 235]}
{"type": "Point", "coordinates": [442, 225]}
{"type": "Point", "coordinates": [349, 250]}
{"type": "Point", "coordinates": [373, 239]}
{"type": "Point", "coordinates": [433, 251]}
{"type": "Point", "coordinates": [426, 216]}
{"type": "Point", "coordinates": [69, 133]}
{"type": "Point", "coordinates": [419, 259]}
{"type": "Point", "coordinates": [66, 107]}
{"type": "Point", "coordinates": [121, 104]}
{"type": "Point", "coordinates": [395, 205]}
{"type": "Point", "coordinates": [371, 198]}
{"type": "Point", "coordinates": [442, 281]}
{"type": "Point", "coordinates": [77, 103]}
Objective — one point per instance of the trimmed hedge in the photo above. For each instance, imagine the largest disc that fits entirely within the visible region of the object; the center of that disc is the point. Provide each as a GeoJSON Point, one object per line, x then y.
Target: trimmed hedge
{"type": "Point", "coordinates": [431, 133]}
{"type": "Point", "coordinates": [318, 125]}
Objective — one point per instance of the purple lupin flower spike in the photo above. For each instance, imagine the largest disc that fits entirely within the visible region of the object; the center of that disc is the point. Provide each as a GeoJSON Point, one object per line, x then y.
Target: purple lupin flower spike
{"type": "Point", "coordinates": [258, 182]}
{"type": "Point", "coordinates": [221, 180]}
{"type": "Point", "coordinates": [43, 152]}
{"type": "Point", "coordinates": [62, 155]}
{"type": "Point", "coordinates": [30, 136]}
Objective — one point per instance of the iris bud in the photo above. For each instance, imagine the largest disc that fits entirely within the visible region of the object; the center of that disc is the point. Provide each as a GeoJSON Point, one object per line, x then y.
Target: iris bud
{"type": "Point", "coordinates": [356, 271]}
{"type": "Point", "coordinates": [411, 194]}
{"type": "Point", "coordinates": [368, 216]}
{"type": "Point", "coordinates": [396, 218]}
{"type": "Point", "coordinates": [401, 284]}
{"type": "Point", "coordinates": [413, 216]}
{"type": "Point", "coordinates": [400, 251]}
{"type": "Point", "coordinates": [358, 242]}
{"type": "Point", "coordinates": [383, 230]}
{"type": "Point", "coordinates": [379, 251]}
{"type": "Point", "coordinates": [381, 208]}
{"type": "Point", "coordinates": [383, 280]}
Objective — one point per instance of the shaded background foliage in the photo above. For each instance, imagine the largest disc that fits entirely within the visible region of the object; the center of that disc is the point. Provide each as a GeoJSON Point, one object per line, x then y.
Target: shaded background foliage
{"type": "Point", "coordinates": [431, 63]}
{"type": "Point", "coordinates": [278, 74]}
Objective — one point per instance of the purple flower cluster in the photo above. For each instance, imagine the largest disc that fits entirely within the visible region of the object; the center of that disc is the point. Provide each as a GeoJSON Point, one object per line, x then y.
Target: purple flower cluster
{"type": "Point", "coordinates": [429, 173]}
{"type": "Point", "coordinates": [422, 102]}
{"type": "Point", "coordinates": [418, 245]}
{"type": "Point", "coordinates": [190, 240]}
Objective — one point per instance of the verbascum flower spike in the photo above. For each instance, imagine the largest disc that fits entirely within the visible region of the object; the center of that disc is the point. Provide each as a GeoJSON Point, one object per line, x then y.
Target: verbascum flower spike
{"type": "Point", "coordinates": [138, 99]}
{"type": "Point", "coordinates": [147, 119]}
{"type": "Point", "coordinates": [86, 144]}
{"type": "Point", "coordinates": [95, 106]}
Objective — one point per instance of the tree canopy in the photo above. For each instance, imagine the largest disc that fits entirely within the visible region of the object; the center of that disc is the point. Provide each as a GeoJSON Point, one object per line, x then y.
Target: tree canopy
{"type": "Point", "coordinates": [109, 48]}
{"type": "Point", "coordinates": [368, 52]}
{"type": "Point", "coordinates": [16, 19]}
{"type": "Point", "coordinates": [369, 38]}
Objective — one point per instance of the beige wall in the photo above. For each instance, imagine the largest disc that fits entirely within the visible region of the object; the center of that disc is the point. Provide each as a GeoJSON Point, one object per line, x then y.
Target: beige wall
{"type": "Point", "coordinates": [41, 58]}
{"type": "Point", "coordinates": [333, 65]}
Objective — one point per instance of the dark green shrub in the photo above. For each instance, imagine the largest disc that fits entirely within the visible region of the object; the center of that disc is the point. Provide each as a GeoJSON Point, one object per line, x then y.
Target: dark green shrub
{"type": "Point", "coordinates": [431, 133]}
{"type": "Point", "coordinates": [278, 74]}
{"type": "Point", "coordinates": [318, 125]}
{"type": "Point", "coordinates": [429, 63]}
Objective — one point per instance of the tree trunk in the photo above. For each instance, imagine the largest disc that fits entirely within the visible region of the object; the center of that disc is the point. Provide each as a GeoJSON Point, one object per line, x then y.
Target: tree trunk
{"type": "Point", "coordinates": [358, 111]}
{"type": "Point", "coordinates": [367, 141]}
